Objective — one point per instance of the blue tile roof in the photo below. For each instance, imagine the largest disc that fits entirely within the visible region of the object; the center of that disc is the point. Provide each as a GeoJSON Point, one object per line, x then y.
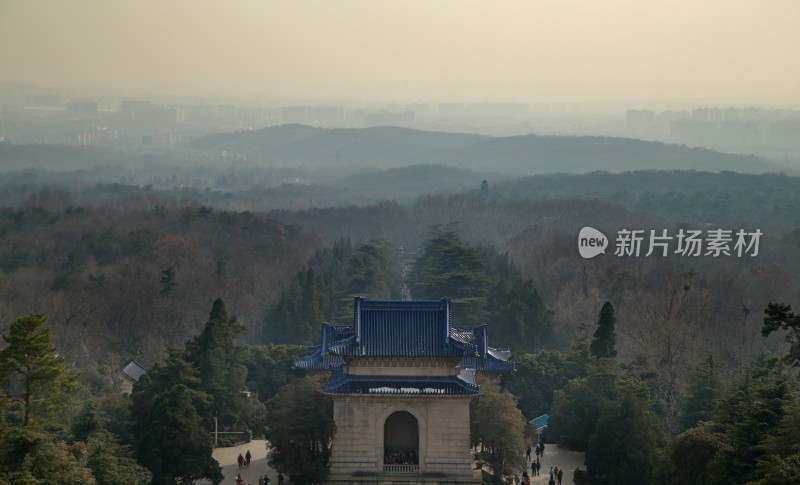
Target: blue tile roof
{"type": "Point", "coordinates": [403, 329]}
{"type": "Point", "coordinates": [319, 361]}
{"type": "Point", "coordinates": [400, 385]}
{"type": "Point", "coordinates": [410, 329]}
{"type": "Point", "coordinates": [541, 421]}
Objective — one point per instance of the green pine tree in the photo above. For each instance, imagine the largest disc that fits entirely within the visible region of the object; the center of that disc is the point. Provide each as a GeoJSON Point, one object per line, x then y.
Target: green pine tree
{"type": "Point", "coordinates": [780, 463]}
{"type": "Point", "coordinates": [748, 412]}
{"type": "Point", "coordinates": [168, 281]}
{"type": "Point", "coordinates": [625, 442]}
{"type": "Point", "coordinates": [216, 354]}
{"type": "Point", "coordinates": [705, 387]}
{"type": "Point", "coordinates": [112, 463]}
{"type": "Point", "coordinates": [169, 415]}
{"type": "Point", "coordinates": [448, 268]}
{"type": "Point", "coordinates": [35, 378]}
{"type": "Point", "coordinates": [605, 338]}
{"type": "Point", "coordinates": [778, 316]}
{"type": "Point", "coordinates": [374, 271]}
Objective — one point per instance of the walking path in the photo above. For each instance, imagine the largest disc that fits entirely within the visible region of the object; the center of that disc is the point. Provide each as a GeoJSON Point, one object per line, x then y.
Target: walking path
{"type": "Point", "coordinates": [553, 456]}
{"type": "Point", "coordinates": [226, 457]}
{"type": "Point", "coordinates": [557, 457]}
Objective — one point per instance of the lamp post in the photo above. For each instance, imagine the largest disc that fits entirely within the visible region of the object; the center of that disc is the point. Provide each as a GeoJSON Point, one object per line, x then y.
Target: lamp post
{"type": "Point", "coordinates": [216, 433]}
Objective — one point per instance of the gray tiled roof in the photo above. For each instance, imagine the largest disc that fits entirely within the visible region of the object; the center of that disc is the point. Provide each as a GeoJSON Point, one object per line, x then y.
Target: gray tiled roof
{"type": "Point", "coordinates": [133, 370]}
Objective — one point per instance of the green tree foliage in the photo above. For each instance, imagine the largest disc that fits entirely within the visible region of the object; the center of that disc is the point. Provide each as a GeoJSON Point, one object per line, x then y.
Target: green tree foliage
{"type": "Point", "coordinates": [112, 463]}
{"type": "Point", "coordinates": [705, 387]}
{"type": "Point", "coordinates": [690, 454]}
{"type": "Point", "coordinates": [35, 378]}
{"type": "Point", "coordinates": [752, 436]}
{"type": "Point", "coordinates": [577, 407]}
{"type": "Point", "coordinates": [534, 380]}
{"type": "Point", "coordinates": [624, 446]}
{"type": "Point", "coordinates": [482, 285]}
{"type": "Point", "coordinates": [217, 355]}
{"type": "Point", "coordinates": [115, 416]}
{"type": "Point", "coordinates": [446, 267]}
{"type": "Point", "coordinates": [32, 457]}
{"type": "Point", "coordinates": [168, 281]}
{"type": "Point", "coordinates": [311, 298]}
{"type": "Point", "coordinates": [270, 367]}
{"type": "Point", "coordinates": [310, 311]}
{"type": "Point", "coordinates": [87, 422]}
{"type": "Point", "coordinates": [374, 271]}
{"type": "Point", "coordinates": [605, 338]}
{"type": "Point", "coordinates": [169, 412]}
{"type": "Point", "coordinates": [778, 316]}
{"type": "Point", "coordinates": [324, 290]}
{"type": "Point", "coordinates": [750, 411]}
{"type": "Point", "coordinates": [780, 463]}
{"type": "Point", "coordinates": [300, 428]}
{"type": "Point", "coordinates": [498, 429]}
{"type": "Point", "coordinates": [519, 317]}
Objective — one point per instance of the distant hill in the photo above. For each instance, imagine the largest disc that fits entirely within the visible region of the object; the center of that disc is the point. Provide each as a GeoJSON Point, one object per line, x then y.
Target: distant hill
{"type": "Point", "coordinates": [686, 195]}
{"type": "Point", "coordinates": [378, 147]}
{"type": "Point", "coordinates": [387, 147]}
{"type": "Point", "coordinates": [59, 157]}
{"type": "Point", "coordinates": [533, 154]}
{"type": "Point", "coordinates": [405, 183]}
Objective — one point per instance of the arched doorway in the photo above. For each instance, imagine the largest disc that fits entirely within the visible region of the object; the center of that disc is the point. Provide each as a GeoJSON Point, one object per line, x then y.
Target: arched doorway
{"type": "Point", "coordinates": [401, 443]}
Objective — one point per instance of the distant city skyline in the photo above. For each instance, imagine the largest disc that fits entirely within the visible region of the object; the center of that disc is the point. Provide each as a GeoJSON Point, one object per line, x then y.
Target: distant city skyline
{"type": "Point", "coordinates": [624, 52]}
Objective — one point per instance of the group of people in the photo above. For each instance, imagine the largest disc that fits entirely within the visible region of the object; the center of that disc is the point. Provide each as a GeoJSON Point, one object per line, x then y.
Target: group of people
{"type": "Point", "coordinates": [400, 457]}
{"type": "Point", "coordinates": [556, 475]}
{"type": "Point", "coordinates": [244, 461]}
{"type": "Point", "coordinates": [262, 480]}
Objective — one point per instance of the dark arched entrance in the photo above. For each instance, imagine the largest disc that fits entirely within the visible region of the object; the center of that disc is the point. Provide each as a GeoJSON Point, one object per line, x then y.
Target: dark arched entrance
{"type": "Point", "coordinates": [401, 442]}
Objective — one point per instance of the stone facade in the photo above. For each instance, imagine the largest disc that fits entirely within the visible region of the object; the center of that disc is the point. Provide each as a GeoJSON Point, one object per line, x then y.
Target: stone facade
{"type": "Point", "coordinates": [358, 451]}
{"type": "Point", "coordinates": [401, 382]}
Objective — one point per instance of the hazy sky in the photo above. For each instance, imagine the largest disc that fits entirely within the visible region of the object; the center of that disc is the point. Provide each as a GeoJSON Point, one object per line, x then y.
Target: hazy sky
{"type": "Point", "coordinates": [744, 51]}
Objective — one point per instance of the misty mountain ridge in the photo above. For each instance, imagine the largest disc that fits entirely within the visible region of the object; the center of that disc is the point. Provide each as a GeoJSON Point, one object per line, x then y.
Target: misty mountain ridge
{"type": "Point", "coordinates": [380, 146]}
{"type": "Point", "coordinates": [385, 147]}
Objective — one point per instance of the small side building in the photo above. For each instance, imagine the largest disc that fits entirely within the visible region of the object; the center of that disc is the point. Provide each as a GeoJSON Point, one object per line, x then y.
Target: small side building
{"type": "Point", "coordinates": [401, 381]}
{"type": "Point", "coordinates": [130, 372]}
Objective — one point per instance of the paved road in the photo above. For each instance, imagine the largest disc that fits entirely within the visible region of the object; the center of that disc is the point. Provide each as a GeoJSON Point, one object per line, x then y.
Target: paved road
{"type": "Point", "coordinates": [553, 456]}
{"type": "Point", "coordinates": [258, 464]}
{"type": "Point", "coordinates": [557, 457]}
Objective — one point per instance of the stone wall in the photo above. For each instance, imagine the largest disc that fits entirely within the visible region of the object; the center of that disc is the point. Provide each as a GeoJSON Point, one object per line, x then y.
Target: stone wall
{"type": "Point", "coordinates": [444, 450]}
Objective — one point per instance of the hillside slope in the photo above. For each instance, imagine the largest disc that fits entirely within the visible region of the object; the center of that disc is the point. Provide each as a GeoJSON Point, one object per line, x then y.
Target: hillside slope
{"type": "Point", "coordinates": [387, 147]}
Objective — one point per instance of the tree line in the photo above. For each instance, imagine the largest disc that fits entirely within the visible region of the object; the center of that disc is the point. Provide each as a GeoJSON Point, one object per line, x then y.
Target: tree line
{"type": "Point", "coordinates": [482, 285]}
{"type": "Point", "coordinates": [730, 425]}
{"type": "Point", "coordinates": [57, 429]}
